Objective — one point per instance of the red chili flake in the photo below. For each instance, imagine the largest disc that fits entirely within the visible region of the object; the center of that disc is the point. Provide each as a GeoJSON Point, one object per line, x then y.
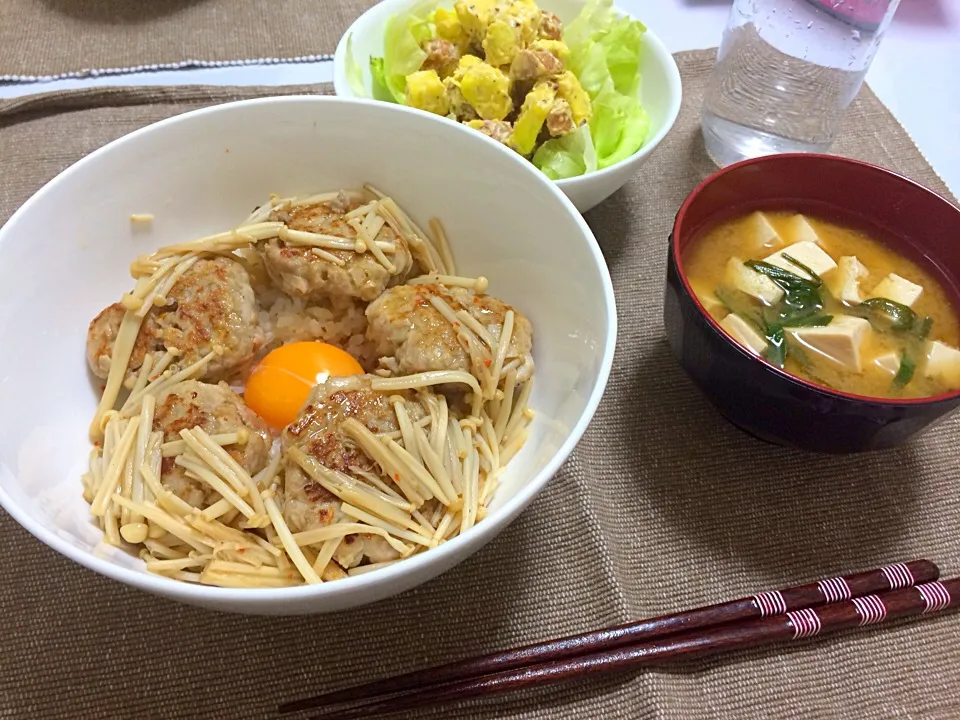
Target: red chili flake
{"type": "Point", "coordinates": [486, 361]}
{"type": "Point", "coordinates": [396, 476]}
{"type": "Point", "coordinates": [456, 323]}
{"type": "Point", "coordinates": [241, 549]}
{"type": "Point", "coordinates": [102, 388]}
{"type": "Point", "coordinates": [96, 443]}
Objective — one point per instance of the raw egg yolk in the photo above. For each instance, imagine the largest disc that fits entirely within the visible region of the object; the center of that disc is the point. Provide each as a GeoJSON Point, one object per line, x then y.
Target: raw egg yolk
{"type": "Point", "coordinates": [279, 385]}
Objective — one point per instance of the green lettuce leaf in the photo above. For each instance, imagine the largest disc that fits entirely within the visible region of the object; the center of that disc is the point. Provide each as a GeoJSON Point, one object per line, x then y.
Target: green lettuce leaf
{"type": "Point", "coordinates": [567, 156]}
{"type": "Point", "coordinates": [593, 72]}
{"type": "Point", "coordinates": [353, 70]}
{"type": "Point", "coordinates": [596, 17]}
{"type": "Point", "coordinates": [378, 81]}
{"type": "Point", "coordinates": [619, 126]}
{"type": "Point", "coordinates": [621, 45]}
{"type": "Point", "coordinates": [605, 56]}
{"type": "Point", "coordinates": [402, 37]}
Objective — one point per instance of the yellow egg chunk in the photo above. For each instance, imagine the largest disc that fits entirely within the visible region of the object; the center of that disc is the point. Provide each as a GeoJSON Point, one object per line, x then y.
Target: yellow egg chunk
{"type": "Point", "coordinates": [570, 89]}
{"type": "Point", "coordinates": [449, 28]}
{"type": "Point", "coordinates": [525, 15]}
{"type": "Point", "coordinates": [532, 116]}
{"type": "Point", "coordinates": [557, 48]}
{"type": "Point", "coordinates": [500, 43]}
{"type": "Point", "coordinates": [475, 16]}
{"type": "Point", "coordinates": [425, 91]}
{"type": "Point", "coordinates": [465, 63]}
{"type": "Point", "coordinates": [487, 90]}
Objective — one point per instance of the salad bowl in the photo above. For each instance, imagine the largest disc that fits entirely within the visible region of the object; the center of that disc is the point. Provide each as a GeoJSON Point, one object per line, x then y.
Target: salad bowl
{"type": "Point", "coordinates": [590, 164]}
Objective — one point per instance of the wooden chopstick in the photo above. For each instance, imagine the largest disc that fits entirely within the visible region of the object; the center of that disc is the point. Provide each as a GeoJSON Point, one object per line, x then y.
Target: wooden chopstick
{"type": "Point", "coordinates": [794, 625]}
{"type": "Point", "coordinates": [799, 597]}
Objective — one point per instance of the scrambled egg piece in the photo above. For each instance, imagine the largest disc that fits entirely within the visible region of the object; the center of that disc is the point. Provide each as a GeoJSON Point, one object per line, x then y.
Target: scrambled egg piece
{"type": "Point", "coordinates": [475, 16]}
{"type": "Point", "coordinates": [425, 90]}
{"type": "Point", "coordinates": [449, 28]}
{"type": "Point", "coordinates": [488, 54]}
{"type": "Point", "coordinates": [501, 43]}
{"type": "Point", "coordinates": [570, 89]}
{"type": "Point", "coordinates": [533, 114]}
{"type": "Point", "coordinates": [486, 89]}
{"type": "Point", "coordinates": [460, 109]}
{"type": "Point", "coordinates": [524, 15]}
{"type": "Point", "coordinates": [557, 48]}
{"type": "Point", "coordinates": [464, 64]}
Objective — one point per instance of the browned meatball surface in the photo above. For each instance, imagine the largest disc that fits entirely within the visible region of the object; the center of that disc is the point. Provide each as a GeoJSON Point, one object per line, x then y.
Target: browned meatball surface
{"type": "Point", "coordinates": [403, 324]}
{"type": "Point", "coordinates": [317, 432]}
{"type": "Point", "coordinates": [212, 307]}
{"type": "Point", "coordinates": [301, 273]}
{"type": "Point", "coordinates": [218, 410]}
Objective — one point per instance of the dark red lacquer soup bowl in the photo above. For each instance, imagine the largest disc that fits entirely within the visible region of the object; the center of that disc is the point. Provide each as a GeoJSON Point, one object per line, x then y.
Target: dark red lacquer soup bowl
{"type": "Point", "coordinates": [759, 397]}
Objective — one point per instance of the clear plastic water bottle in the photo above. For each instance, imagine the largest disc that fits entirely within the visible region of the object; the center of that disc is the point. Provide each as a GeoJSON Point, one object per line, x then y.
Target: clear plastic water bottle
{"type": "Point", "coordinates": [786, 71]}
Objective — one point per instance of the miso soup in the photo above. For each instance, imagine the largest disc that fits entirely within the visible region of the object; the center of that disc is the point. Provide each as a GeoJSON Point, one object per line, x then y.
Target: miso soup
{"type": "Point", "coordinates": [828, 304]}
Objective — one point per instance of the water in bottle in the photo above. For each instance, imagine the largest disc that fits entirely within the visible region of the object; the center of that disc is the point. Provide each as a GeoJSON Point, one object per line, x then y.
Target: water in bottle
{"type": "Point", "coordinates": [786, 71]}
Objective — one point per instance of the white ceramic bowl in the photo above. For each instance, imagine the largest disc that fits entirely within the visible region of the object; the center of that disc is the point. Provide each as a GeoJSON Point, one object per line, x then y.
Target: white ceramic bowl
{"type": "Point", "coordinates": [64, 255]}
{"type": "Point", "coordinates": [659, 92]}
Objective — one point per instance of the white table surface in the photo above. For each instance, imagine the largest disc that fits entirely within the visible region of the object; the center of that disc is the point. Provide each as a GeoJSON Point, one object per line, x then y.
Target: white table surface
{"type": "Point", "coordinates": [916, 72]}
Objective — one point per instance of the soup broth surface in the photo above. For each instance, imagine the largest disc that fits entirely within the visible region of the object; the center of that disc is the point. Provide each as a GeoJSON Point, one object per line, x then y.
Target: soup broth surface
{"type": "Point", "coordinates": [903, 350]}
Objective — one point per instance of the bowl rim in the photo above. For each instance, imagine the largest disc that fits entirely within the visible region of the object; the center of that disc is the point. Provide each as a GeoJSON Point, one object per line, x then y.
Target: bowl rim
{"type": "Point", "coordinates": [342, 86]}
{"type": "Point", "coordinates": [476, 537]}
{"type": "Point", "coordinates": [715, 326]}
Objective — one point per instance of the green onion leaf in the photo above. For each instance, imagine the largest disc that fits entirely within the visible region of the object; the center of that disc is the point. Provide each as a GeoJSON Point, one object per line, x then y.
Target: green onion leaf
{"type": "Point", "coordinates": [801, 296]}
{"type": "Point", "coordinates": [905, 371]}
{"type": "Point", "coordinates": [784, 278]}
{"type": "Point", "coordinates": [776, 353]}
{"type": "Point", "coordinates": [814, 277]}
{"type": "Point", "coordinates": [814, 321]}
{"type": "Point", "coordinates": [897, 316]}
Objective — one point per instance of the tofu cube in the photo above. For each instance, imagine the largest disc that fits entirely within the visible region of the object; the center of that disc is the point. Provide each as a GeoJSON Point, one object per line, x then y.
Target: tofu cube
{"type": "Point", "coordinates": [808, 253]}
{"type": "Point", "coordinates": [839, 342]}
{"type": "Point", "coordinates": [802, 231]}
{"type": "Point", "coordinates": [752, 283]}
{"type": "Point", "coordinates": [900, 290]}
{"type": "Point", "coordinates": [943, 363]}
{"type": "Point", "coordinates": [761, 233]}
{"type": "Point", "coordinates": [888, 362]}
{"type": "Point", "coordinates": [844, 284]}
{"type": "Point", "coordinates": [744, 333]}
{"type": "Point", "coordinates": [711, 303]}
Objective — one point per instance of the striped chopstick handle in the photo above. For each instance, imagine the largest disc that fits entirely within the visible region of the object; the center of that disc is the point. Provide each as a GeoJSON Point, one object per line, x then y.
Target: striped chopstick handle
{"type": "Point", "coordinates": [897, 575]}
{"type": "Point", "coordinates": [835, 589]}
{"type": "Point", "coordinates": [843, 588]}
{"type": "Point", "coordinates": [770, 602]}
{"type": "Point", "coordinates": [872, 609]}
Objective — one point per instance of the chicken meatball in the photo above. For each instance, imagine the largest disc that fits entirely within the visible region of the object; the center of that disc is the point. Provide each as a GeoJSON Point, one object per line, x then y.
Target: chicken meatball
{"type": "Point", "coordinates": [550, 26]}
{"type": "Point", "coordinates": [212, 307]}
{"type": "Point", "coordinates": [442, 56]}
{"type": "Point", "coordinates": [217, 409]}
{"type": "Point", "coordinates": [301, 273]}
{"type": "Point", "coordinates": [317, 432]}
{"type": "Point", "coordinates": [404, 325]}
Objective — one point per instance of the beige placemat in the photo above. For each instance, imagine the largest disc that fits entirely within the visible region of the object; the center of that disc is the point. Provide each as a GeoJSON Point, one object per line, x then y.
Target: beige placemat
{"type": "Point", "coordinates": [56, 37]}
{"type": "Point", "coordinates": [663, 506]}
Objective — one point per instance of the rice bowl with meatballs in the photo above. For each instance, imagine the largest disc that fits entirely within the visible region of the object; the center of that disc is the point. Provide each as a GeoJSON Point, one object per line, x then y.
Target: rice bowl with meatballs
{"type": "Point", "coordinates": [312, 395]}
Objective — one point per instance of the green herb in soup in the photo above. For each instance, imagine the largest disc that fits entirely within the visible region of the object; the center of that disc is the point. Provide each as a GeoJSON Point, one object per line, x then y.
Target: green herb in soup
{"type": "Point", "coordinates": [828, 304]}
